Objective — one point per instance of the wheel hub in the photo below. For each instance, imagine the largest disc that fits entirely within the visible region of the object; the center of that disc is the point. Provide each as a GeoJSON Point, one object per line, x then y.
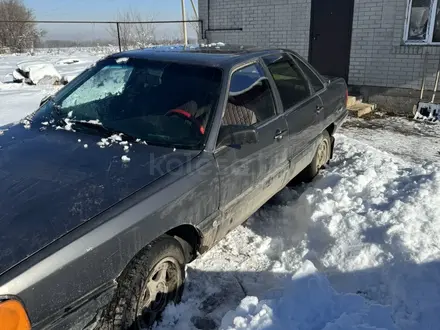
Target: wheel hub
{"type": "Point", "coordinates": [322, 155]}
{"type": "Point", "coordinates": [160, 289]}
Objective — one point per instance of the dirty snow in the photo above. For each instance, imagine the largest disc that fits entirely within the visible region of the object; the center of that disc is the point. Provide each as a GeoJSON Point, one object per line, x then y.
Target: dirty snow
{"type": "Point", "coordinates": [410, 139]}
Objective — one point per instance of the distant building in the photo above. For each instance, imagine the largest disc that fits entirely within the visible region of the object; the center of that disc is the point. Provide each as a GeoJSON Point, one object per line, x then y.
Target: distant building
{"type": "Point", "coordinates": [382, 47]}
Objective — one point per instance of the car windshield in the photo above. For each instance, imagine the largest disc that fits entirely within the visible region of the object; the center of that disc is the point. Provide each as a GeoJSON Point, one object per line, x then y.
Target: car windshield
{"type": "Point", "coordinates": [160, 103]}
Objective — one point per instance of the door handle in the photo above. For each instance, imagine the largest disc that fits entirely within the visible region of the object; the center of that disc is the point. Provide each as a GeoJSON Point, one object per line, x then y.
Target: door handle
{"type": "Point", "coordinates": [319, 108]}
{"type": "Point", "coordinates": [279, 134]}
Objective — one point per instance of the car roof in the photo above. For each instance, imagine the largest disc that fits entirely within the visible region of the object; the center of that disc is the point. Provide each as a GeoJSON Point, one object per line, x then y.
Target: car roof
{"type": "Point", "coordinates": [217, 55]}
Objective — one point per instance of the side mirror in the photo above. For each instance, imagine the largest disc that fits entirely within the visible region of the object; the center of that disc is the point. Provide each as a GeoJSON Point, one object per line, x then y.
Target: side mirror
{"type": "Point", "coordinates": [237, 135]}
{"type": "Point", "coordinates": [45, 99]}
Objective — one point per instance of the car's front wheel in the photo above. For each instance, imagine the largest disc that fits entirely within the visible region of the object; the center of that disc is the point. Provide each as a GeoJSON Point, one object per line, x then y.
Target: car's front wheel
{"type": "Point", "coordinates": [152, 280]}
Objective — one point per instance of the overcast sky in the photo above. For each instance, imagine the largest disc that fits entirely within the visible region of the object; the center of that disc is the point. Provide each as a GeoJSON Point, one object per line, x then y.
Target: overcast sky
{"type": "Point", "coordinates": [103, 10]}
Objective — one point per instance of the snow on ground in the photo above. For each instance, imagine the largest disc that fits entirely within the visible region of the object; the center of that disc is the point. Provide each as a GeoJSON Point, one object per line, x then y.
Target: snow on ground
{"type": "Point", "coordinates": [369, 225]}
{"type": "Point", "coordinates": [18, 100]}
{"type": "Point", "coordinates": [407, 138]}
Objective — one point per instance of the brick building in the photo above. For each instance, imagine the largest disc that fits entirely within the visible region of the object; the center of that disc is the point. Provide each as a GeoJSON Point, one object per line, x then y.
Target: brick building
{"type": "Point", "coordinates": [382, 47]}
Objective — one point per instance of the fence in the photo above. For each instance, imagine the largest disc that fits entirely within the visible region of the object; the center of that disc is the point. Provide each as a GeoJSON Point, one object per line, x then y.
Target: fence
{"type": "Point", "coordinates": [121, 34]}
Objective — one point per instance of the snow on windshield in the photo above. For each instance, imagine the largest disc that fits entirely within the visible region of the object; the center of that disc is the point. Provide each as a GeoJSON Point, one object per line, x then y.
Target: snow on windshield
{"type": "Point", "coordinates": [109, 81]}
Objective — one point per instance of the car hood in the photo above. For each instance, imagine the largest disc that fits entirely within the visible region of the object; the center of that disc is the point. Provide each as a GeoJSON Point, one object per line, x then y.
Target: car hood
{"type": "Point", "coordinates": [53, 181]}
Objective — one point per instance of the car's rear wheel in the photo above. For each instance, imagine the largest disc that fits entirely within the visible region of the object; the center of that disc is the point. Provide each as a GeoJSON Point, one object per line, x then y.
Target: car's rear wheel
{"type": "Point", "coordinates": [151, 281]}
{"type": "Point", "coordinates": [321, 158]}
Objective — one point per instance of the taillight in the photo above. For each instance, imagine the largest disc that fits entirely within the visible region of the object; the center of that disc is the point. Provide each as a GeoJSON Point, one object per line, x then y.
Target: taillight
{"type": "Point", "coordinates": [13, 316]}
{"type": "Point", "coordinates": [346, 98]}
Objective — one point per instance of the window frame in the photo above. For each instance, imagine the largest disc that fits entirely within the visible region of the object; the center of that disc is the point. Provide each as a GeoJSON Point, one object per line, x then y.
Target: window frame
{"type": "Point", "coordinates": [242, 66]}
{"type": "Point", "coordinates": [313, 94]}
{"type": "Point", "coordinates": [297, 59]}
{"type": "Point", "coordinates": [430, 28]}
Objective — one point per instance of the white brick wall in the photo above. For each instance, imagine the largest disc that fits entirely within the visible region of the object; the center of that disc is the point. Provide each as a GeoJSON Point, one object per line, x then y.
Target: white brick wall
{"type": "Point", "coordinates": [266, 23]}
{"type": "Point", "coordinates": [378, 57]}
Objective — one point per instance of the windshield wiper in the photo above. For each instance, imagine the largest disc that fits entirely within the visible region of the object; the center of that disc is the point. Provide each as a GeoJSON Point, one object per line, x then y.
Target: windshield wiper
{"type": "Point", "coordinates": [55, 112]}
{"type": "Point", "coordinates": [99, 128]}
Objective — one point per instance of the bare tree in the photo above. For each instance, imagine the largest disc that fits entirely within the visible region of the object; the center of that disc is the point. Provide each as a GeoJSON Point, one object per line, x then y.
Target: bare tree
{"type": "Point", "coordinates": [132, 34]}
{"type": "Point", "coordinates": [16, 35]}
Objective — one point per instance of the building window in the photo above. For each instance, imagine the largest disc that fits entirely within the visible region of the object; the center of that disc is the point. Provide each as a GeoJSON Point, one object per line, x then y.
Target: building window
{"type": "Point", "coordinates": [422, 25]}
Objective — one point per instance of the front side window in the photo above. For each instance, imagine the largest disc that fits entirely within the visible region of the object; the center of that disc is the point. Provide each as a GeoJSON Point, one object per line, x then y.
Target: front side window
{"type": "Point", "coordinates": [292, 85]}
{"type": "Point", "coordinates": [423, 23]}
{"type": "Point", "coordinates": [250, 99]}
{"type": "Point", "coordinates": [167, 104]}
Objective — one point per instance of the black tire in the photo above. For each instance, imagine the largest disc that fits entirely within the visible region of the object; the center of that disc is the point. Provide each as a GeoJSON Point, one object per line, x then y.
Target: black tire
{"type": "Point", "coordinates": [319, 160]}
{"type": "Point", "coordinates": [131, 307]}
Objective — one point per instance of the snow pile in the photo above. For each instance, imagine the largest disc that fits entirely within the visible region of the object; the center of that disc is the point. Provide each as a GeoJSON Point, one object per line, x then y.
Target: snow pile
{"type": "Point", "coordinates": [370, 225]}
{"type": "Point", "coordinates": [35, 73]}
{"type": "Point", "coordinates": [19, 100]}
{"type": "Point", "coordinates": [375, 229]}
{"type": "Point", "coordinates": [309, 302]}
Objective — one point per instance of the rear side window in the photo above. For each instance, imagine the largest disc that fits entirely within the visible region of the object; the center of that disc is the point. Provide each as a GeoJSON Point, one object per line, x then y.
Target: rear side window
{"type": "Point", "coordinates": [250, 99]}
{"type": "Point", "coordinates": [314, 80]}
{"type": "Point", "coordinates": [292, 85]}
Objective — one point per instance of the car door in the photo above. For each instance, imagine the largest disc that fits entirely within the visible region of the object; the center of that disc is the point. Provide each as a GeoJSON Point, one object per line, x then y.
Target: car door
{"type": "Point", "coordinates": [301, 106]}
{"type": "Point", "coordinates": [329, 102]}
{"type": "Point", "coordinates": [250, 174]}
